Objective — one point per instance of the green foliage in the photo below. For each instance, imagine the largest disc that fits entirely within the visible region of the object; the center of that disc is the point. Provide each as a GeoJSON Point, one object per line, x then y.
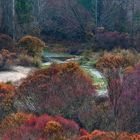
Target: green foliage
{"type": "Point", "coordinates": [23, 10]}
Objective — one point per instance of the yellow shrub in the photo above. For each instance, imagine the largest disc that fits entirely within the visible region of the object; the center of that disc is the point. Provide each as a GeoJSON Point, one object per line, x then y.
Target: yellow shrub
{"type": "Point", "coordinates": [33, 46]}
{"type": "Point", "coordinates": [53, 127]}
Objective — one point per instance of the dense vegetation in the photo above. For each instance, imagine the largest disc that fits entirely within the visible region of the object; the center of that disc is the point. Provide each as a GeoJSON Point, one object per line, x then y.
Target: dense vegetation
{"type": "Point", "coordinates": [70, 20]}
{"type": "Point", "coordinates": [89, 89]}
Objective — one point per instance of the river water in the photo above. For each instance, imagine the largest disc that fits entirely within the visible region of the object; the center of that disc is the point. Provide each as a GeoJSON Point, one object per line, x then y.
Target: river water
{"type": "Point", "coordinates": [97, 77]}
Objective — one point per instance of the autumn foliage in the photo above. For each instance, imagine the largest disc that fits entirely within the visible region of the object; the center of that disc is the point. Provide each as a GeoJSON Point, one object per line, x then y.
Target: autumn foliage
{"type": "Point", "coordinates": [6, 59]}
{"type": "Point", "coordinates": [31, 46]}
{"type": "Point", "coordinates": [110, 61]}
{"type": "Point", "coordinates": [44, 127]}
{"type": "Point", "coordinates": [6, 94]}
{"type": "Point", "coordinates": [6, 88]}
{"type": "Point", "coordinates": [13, 121]}
{"type": "Point", "coordinates": [117, 60]}
{"type": "Point", "coordinates": [60, 89]}
{"type": "Point", "coordinates": [129, 101]}
{"type": "Point", "coordinates": [108, 135]}
{"type": "Point", "coordinates": [6, 99]}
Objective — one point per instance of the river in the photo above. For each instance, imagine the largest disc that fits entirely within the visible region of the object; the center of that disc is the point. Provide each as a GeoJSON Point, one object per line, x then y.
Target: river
{"type": "Point", "coordinates": [98, 78]}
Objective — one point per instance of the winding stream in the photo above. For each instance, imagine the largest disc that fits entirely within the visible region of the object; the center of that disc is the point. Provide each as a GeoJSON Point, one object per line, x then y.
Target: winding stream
{"type": "Point", "coordinates": [97, 77]}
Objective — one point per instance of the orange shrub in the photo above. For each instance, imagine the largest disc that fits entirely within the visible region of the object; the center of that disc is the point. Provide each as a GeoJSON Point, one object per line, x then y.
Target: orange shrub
{"type": "Point", "coordinates": [53, 127]}
{"type": "Point", "coordinates": [117, 59]}
{"type": "Point", "coordinates": [54, 130]}
{"type": "Point", "coordinates": [13, 121]}
{"type": "Point", "coordinates": [108, 135]}
{"type": "Point", "coordinates": [84, 138]}
{"type": "Point", "coordinates": [100, 135]}
{"type": "Point", "coordinates": [129, 70]}
{"type": "Point", "coordinates": [6, 99]}
{"type": "Point", "coordinates": [110, 61]}
{"type": "Point", "coordinates": [6, 88]}
{"type": "Point", "coordinates": [33, 46]}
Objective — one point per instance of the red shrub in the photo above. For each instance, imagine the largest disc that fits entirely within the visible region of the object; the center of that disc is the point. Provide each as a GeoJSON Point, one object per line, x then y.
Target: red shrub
{"type": "Point", "coordinates": [61, 89]}
{"type": "Point", "coordinates": [44, 127]}
{"type": "Point", "coordinates": [83, 132]}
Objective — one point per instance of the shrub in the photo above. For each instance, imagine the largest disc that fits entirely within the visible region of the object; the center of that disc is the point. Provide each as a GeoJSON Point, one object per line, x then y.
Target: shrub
{"type": "Point", "coordinates": [131, 57]}
{"type": "Point", "coordinates": [112, 40]}
{"type": "Point", "coordinates": [129, 70]}
{"type": "Point", "coordinates": [129, 102]}
{"type": "Point", "coordinates": [60, 89]}
{"type": "Point", "coordinates": [84, 138]}
{"type": "Point", "coordinates": [6, 42]}
{"type": "Point", "coordinates": [116, 60]}
{"type": "Point", "coordinates": [33, 46]}
{"type": "Point", "coordinates": [97, 116]}
{"type": "Point", "coordinates": [109, 62]}
{"type": "Point", "coordinates": [14, 121]}
{"type": "Point", "coordinates": [7, 104]}
{"type": "Point", "coordinates": [6, 99]}
{"type": "Point", "coordinates": [6, 59]}
{"type": "Point", "coordinates": [6, 88]}
{"type": "Point", "coordinates": [109, 135]}
{"type": "Point", "coordinates": [44, 127]}
{"type": "Point", "coordinates": [124, 100]}
{"type": "Point", "coordinates": [104, 135]}
{"type": "Point", "coordinates": [53, 127]}
{"type": "Point", "coordinates": [25, 60]}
